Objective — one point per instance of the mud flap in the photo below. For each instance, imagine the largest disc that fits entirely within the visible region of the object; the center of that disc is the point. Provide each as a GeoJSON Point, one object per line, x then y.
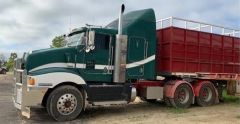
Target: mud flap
{"type": "Point", "coordinates": [217, 96]}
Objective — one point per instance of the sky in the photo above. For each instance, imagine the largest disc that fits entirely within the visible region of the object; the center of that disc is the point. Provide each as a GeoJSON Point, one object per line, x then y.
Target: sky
{"type": "Point", "coordinates": [27, 25]}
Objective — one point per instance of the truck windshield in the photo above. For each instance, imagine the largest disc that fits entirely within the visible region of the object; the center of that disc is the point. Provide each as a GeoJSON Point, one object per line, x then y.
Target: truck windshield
{"type": "Point", "coordinates": [76, 39]}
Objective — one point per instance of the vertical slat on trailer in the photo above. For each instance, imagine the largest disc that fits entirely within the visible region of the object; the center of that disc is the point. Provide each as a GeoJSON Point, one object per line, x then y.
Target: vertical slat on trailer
{"type": "Point", "coordinates": [211, 60]}
{"type": "Point", "coordinates": [222, 55]}
{"type": "Point", "coordinates": [185, 51]}
{"type": "Point", "coordinates": [198, 37]}
{"type": "Point", "coordinates": [171, 40]}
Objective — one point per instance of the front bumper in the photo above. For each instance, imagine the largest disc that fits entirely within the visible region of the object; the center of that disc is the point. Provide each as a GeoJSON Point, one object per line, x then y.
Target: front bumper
{"type": "Point", "coordinates": [24, 96]}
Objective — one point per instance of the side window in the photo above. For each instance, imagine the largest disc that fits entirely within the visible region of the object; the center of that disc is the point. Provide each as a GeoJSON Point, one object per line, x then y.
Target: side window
{"type": "Point", "coordinates": [102, 41]}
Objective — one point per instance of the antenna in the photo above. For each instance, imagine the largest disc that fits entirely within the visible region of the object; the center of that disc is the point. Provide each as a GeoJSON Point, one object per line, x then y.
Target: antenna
{"type": "Point", "coordinates": [70, 23]}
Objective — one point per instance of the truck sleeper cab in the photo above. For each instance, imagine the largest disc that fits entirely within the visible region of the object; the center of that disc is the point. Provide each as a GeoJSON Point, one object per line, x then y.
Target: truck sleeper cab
{"type": "Point", "coordinates": [113, 65]}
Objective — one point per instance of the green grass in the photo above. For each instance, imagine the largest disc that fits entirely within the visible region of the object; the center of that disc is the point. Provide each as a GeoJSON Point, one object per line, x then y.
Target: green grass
{"type": "Point", "coordinates": [178, 110]}
{"type": "Point", "coordinates": [230, 99]}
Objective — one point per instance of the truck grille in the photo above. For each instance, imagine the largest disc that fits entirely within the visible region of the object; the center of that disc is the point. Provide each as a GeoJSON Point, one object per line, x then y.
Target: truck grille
{"type": "Point", "coordinates": [18, 72]}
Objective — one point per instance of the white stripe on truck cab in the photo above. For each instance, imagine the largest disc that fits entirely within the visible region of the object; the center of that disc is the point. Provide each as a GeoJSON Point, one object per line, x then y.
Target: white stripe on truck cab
{"type": "Point", "coordinates": [99, 67]}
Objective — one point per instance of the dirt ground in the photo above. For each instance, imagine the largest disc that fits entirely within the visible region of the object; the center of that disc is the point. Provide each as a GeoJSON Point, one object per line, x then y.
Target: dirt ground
{"type": "Point", "coordinates": [136, 113]}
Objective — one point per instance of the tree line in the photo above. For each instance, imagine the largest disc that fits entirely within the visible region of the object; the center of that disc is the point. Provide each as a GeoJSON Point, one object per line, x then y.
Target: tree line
{"type": "Point", "coordinates": [7, 63]}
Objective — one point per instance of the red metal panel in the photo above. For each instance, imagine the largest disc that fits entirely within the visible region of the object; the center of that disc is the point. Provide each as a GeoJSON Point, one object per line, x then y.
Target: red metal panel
{"type": "Point", "coordinates": [217, 41]}
{"type": "Point", "coordinates": [188, 51]}
{"type": "Point", "coordinates": [236, 43]}
{"type": "Point", "coordinates": [217, 68]}
{"type": "Point", "coordinates": [204, 39]}
{"type": "Point", "coordinates": [227, 42]}
{"type": "Point", "coordinates": [141, 84]}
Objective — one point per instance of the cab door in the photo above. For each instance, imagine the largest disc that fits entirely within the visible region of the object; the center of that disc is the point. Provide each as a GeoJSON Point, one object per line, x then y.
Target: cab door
{"type": "Point", "coordinates": [99, 61]}
{"type": "Point", "coordinates": [136, 53]}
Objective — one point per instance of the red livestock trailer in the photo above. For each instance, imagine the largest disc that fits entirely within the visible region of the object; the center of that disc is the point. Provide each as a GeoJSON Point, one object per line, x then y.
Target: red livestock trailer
{"type": "Point", "coordinates": [188, 51]}
{"type": "Point", "coordinates": [183, 50]}
{"type": "Point", "coordinates": [197, 57]}
{"type": "Point", "coordinates": [195, 51]}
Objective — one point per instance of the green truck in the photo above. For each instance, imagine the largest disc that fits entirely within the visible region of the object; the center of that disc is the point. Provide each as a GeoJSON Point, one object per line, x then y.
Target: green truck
{"type": "Point", "coordinates": [106, 66]}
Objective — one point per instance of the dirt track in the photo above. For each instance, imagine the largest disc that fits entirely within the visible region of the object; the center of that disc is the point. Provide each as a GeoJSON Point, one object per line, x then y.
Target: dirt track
{"type": "Point", "coordinates": [136, 113]}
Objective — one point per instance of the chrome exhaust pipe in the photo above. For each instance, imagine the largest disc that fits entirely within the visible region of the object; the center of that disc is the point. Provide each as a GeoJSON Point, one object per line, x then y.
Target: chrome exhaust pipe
{"type": "Point", "coordinates": [120, 20]}
{"type": "Point", "coordinates": [120, 52]}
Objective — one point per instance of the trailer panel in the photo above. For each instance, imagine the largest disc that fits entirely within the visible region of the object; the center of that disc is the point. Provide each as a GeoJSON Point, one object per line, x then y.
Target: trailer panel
{"type": "Point", "coordinates": [188, 51]}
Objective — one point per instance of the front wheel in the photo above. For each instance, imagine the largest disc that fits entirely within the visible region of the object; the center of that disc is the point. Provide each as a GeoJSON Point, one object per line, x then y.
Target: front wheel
{"type": "Point", "coordinates": [183, 96]}
{"type": "Point", "coordinates": [65, 103]}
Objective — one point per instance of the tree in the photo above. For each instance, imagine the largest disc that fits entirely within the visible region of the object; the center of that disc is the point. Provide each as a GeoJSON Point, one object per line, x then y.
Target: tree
{"type": "Point", "coordinates": [2, 59]}
{"type": "Point", "coordinates": [58, 41]}
{"type": "Point", "coordinates": [10, 61]}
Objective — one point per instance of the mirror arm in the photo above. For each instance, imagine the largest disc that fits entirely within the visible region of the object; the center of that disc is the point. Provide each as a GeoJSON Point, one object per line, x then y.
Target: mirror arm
{"type": "Point", "coordinates": [90, 41]}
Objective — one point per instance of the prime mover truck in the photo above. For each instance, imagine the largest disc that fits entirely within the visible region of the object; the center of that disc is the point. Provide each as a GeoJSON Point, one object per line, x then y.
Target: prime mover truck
{"type": "Point", "coordinates": [135, 55]}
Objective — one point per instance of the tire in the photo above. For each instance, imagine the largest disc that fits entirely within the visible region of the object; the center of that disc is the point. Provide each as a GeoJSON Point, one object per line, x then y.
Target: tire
{"type": "Point", "coordinates": [65, 103]}
{"type": "Point", "coordinates": [207, 95]}
{"type": "Point", "coordinates": [183, 96]}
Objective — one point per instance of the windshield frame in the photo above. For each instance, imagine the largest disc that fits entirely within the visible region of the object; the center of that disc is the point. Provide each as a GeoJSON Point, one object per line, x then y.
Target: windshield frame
{"type": "Point", "coordinates": [78, 36]}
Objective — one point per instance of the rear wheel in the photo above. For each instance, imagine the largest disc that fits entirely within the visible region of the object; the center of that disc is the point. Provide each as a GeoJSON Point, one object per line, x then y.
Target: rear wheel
{"type": "Point", "coordinates": [183, 96]}
{"type": "Point", "coordinates": [65, 103]}
{"type": "Point", "coordinates": [207, 95]}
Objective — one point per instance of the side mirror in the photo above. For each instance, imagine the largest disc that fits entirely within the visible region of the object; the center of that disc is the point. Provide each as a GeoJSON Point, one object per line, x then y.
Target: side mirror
{"type": "Point", "coordinates": [90, 43]}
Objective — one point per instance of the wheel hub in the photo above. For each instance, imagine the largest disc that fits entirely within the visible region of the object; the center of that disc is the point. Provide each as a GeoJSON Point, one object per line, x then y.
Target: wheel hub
{"type": "Point", "coordinates": [66, 104]}
{"type": "Point", "coordinates": [183, 95]}
{"type": "Point", "coordinates": [206, 94]}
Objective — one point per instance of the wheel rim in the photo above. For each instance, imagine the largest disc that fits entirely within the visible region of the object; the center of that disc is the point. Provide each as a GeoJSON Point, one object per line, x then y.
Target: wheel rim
{"type": "Point", "coordinates": [66, 104]}
{"type": "Point", "coordinates": [207, 94]}
{"type": "Point", "coordinates": [183, 95]}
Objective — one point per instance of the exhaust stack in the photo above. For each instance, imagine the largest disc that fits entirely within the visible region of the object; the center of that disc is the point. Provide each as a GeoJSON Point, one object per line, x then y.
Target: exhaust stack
{"type": "Point", "coordinates": [120, 20]}
{"type": "Point", "coordinates": [120, 52]}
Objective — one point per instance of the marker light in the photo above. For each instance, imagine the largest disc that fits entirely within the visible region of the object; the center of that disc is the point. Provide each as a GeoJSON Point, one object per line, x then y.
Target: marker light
{"type": "Point", "coordinates": [31, 81]}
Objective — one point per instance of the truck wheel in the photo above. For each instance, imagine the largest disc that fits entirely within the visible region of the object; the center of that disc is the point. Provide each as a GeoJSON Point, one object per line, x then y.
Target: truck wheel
{"type": "Point", "coordinates": [65, 103]}
{"type": "Point", "coordinates": [183, 96]}
{"type": "Point", "coordinates": [207, 95]}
